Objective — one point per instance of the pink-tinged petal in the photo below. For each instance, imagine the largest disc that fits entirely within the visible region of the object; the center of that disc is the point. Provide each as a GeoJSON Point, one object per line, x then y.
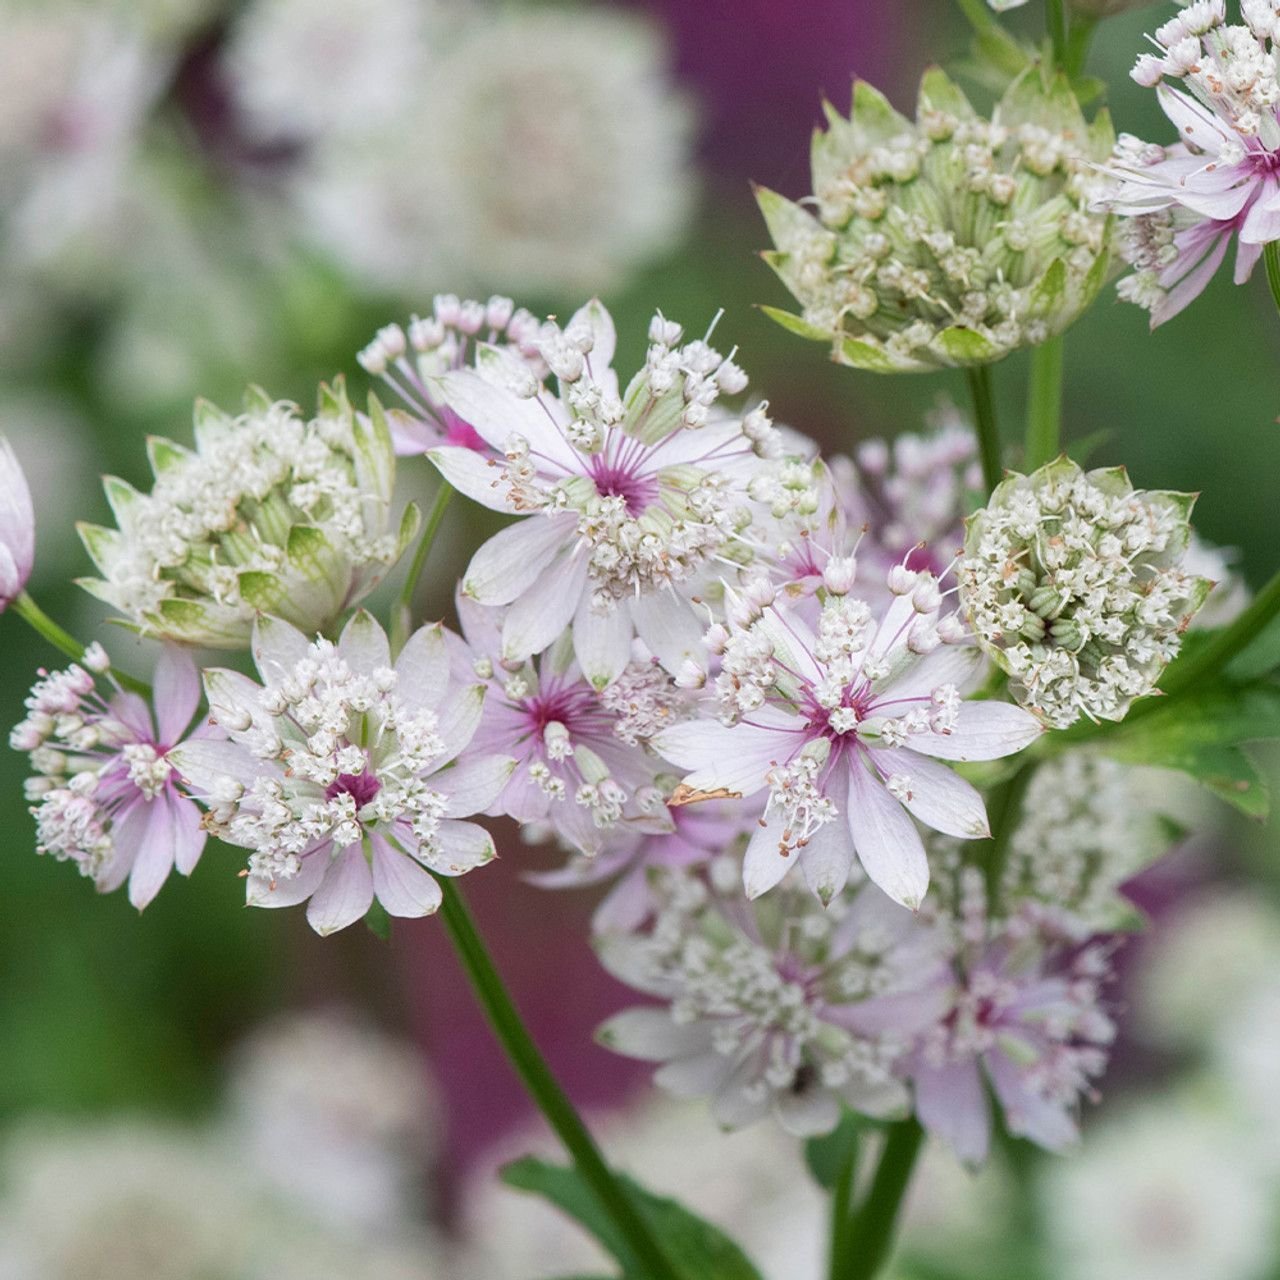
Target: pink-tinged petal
{"type": "Point", "coordinates": [133, 712]}
{"type": "Point", "coordinates": [261, 892]}
{"type": "Point", "coordinates": [652, 1035]}
{"type": "Point", "coordinates": [1247, 256]}
{"type": "Point", "coordinates": [670, 627]}
{"type": "Point", "coordinates": [955, 664]}
{"type": "Point", "coordinates": [1191, 285]}
{"type": "Point", "coordinates": [764, 864]}
{"type": "Point", "coordinates": [739, 1101]}
{"type": "Point", "coordinates": [11, 579]}
{"type": "Point", "coordinates": [626, 906]}
{"type": "Point", "coordinates": [888, 844]}
{"type": "Point", "coordinates": [732, 758]}
{"type": "Point", "coordinates": [602, 641]}
{"type": "Point", "coordinates": [545, 608]}
{"type": "Point", "coordinates": [827, 858]}
{"type": "Point", "coordinates": [1262, 222]}
{"type": "Point", "coordinates": [497, 414]}
{"type": "Point", "coordinates": [909, 1013]}
{"type": "Point", "coordinates": [17, 524]}
{"type": "Point", "coordinates": [1027, 1113]}
{"type": "Point", "coordinates": [481, 625]}
{"type": "Point", "coordinates": [363, 644]}
{"type": "Point", "coordinates": [1196, 124]}
{"type": "Point", "coordinates": [422, 669]}
{"type": "Point", "coordinates": [154, 858]}
{"type": "Point", "coordinates": [474, 475]}
{"type": "Point", "coordinates": [188, 835]}
{"type": "Point", "coordinates": [505, 566]}
{"type": "Point", "coordinates": [984, 731]}
{"type": "Point", "coordinates": [401, 885]}
{"type": "Point", "coordinates": [203, 763]}
{"type": "Point", "coordinates": [471, 786]}
{"type": "Point", "coordinates": [461, 847]}
{"type": "Point", "coordinates": [458, 721]}
{"type": "Point", "coordinates": [127, 833]}
{"type": "Point", "coordinates": [277, 647]}
{"type": "Point", "coordinates": [793, 642]}
{"type": "Point", "coordinates": [177, 691]}
{"type": "Point", "coordinates": [952, 1105]}
{"type": "Point", "coordinates": [345, 894]}
{"type": "Point", "coordinates": [595, 317]}
{"type": "Point", "coordinates": [808, 1114]}
{"type": "Point", "coordinates": [521, 799]}
{"type": "Point", "coordinates": [936, 795]}
{"type": "Point", "coordinates": [696, 1077]}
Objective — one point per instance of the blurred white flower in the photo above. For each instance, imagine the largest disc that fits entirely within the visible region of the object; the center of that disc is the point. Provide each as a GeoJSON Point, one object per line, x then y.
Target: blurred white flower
{"type": "Point", "coordinates": [1245, 1053]}
{"type": "Point", "coordinates": [337, 1117]}
{"type": "Point", "coordinates": [1166, 1192]}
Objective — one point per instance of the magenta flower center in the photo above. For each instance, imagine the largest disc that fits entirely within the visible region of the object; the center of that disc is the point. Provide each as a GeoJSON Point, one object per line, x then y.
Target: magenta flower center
{"type": "Point", "coordinates": [361, 787]}
{"type": "Point", "coordinates": [613, 481]}
{"type": "Point", "coordinates": [461, 433]}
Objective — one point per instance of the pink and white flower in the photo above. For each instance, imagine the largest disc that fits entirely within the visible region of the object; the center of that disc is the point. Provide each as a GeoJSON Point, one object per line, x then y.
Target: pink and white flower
{"type": "Point", "coordinates": [105, 792]}
{"type": "Point", "coordinates": [845, 724]}
{"type": "Point", "coordinates": [631, 498]}
{"type": "Point", "coordinates": [1221, 180]}
{"type": "Point", "coordinates": [582, 765]}
{"type": "Point", "coordinates": [341, 773]}
{"type": "Point", "coordinates": [17, 527]}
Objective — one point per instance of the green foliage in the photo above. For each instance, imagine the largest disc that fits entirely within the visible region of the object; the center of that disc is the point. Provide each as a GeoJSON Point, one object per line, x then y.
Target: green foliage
{"type": "Point", "coordinates": [828, 1156]}
{"type": "Point", "coordinates": [697, 1250]}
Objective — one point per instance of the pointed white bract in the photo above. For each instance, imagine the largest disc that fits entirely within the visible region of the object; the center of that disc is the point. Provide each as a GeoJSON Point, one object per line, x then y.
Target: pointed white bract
{"type": "Point", "coordinates": [843, 721]}
{"type": "Point", "coordinates": [632, 498]}
{"type": "Point", "coordinates": [343, 772]}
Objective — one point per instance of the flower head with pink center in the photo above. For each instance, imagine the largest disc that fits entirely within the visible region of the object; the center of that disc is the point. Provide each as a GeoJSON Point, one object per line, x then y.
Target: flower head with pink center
{"type": "Point", "coordinates": [412, 363]}
{"type": "Point", "coordinates": [844, 723]}
{"type": "Point", "coordinates": [1024, 1015]}
{"type": "Point", "coordinates": [1220, 181]}
{"type": "Point", "coordinates": [582, 763]}
{"type": "Point", "coordinates": [17, 527]}
{"type": "Point", "coordinates": [105, 792]}
{"type": "Point", "coordinates": [758, 999]}
{"type": "Point", "coordinates": [341, 774]}
{"type": "Point", "coordinates": [631, 499]}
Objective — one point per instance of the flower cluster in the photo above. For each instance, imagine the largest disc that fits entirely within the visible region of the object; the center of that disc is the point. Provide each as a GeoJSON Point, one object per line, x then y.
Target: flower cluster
{"type": "Point", "coordinates": [270, 513]}
{"type": "Point", "coordinates": [1073, 582]}
{"type": "Point", "coordinates": [1183, 204]}
{"type": "Point", "coordinates": [950, 240]}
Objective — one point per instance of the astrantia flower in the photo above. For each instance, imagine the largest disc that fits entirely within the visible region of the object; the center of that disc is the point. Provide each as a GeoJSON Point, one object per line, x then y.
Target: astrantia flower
{"type": "Point", "coordinates": [1073, 582]}
{"type": "Point", "coordinates": [271, 513]}
{"type": "Point", "coordinates": [336, 774]}
{"type": "Point", "coordinates": [17, 527]}
{"type": "Point", "coordinates": [105, 794]}
{"type": "Point", "coordinates": [1220, 180]}
{"type": "Point", "coordinates": [952, 240]}
{"type": "Point", "coordinates": [630, 498]}
{"type": "Point", "coordinates": [1024, 1015]}
{"type": "Point", "coordinates": [840, 722]}
{"type": "Point", "coordinates": [759, 1002]}
{"type": "Point", "coordinates": [410, 364]}
{"type": "Point", "coordinates": [581, 760]}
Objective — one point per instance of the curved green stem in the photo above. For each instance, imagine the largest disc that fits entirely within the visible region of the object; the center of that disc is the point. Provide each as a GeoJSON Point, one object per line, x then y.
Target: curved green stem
{"type": "Point", "coordinates": [545, 1089]}
{"type": "Point", "coordinates": [61, 639]}
{"type": "Point", "coordinates": [873, 1226]}
{"type": "Point", "coordinates": [1004, 808]}
{"type": "Point", "coordinates": [842, 1210]}
{"type": "Point", "coordinates": [1055, 18]}
{"type": "Point", "coordinates": [1079, 38]}
{"type": "Point", "coordinates": [1044, 404]}
{"type": "Point", "coordinates": [1271, 259]}
{"type": "Point", "coordinates": [984, 417]}
{"type": "Point", "coordinates": [402, 617]}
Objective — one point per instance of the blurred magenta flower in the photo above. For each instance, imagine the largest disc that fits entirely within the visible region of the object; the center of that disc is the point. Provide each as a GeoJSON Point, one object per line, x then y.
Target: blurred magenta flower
{"type": "Point", "coordinates": [17, 527]}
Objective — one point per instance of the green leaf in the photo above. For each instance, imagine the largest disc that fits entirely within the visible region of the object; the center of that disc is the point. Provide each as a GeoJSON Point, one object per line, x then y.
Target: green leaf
{"type": "Point", "coordinates": [697, 1250]}
{"type": "Point", "coordinates": [829, 1155]}
{"type": "Point", "coordinates": [1260, 656]}
{"type": "Point", "coordinates": [965, 346]}
{"type": "Point", "coordinates": [378, 922]}
{"type": "Point", "coordinates": [862, 355]}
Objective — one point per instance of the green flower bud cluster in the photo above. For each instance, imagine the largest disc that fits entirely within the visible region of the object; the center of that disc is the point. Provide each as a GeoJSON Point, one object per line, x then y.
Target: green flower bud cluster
{"type": "Point", "coordinates": [270, 513]}
{"type": "Point", "coordinates": [948, 241]}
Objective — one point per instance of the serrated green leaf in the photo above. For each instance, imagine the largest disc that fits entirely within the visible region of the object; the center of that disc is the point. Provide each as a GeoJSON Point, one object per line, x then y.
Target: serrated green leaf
{"type": "Point", "coordinates": [696, 1249]}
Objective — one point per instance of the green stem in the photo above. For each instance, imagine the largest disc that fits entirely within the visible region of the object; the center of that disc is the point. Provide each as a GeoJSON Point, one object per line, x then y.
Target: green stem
{"type": "Point", "coordinates": [1004, 807]}
{"type": "Point", "coordinates": [402, 617]}
{"type": "Point", "coordinates": [876, 1219]}
{"type": "Point", "coordinates": [1055, 17]}
{"type": "Point", "coordinates": [984, 417]}
{"type": "Point", "coordinates": [842, 1210]}
{"type": "Point", "coordinates": [1271, 258]}
{"type": "Point", "coordinates": [40, 622]}
{"type": "Point", "coordinates": [1044, 404]}
{"type": "Point", "coordinates": [545, 1090]}
{"type": "Point", "coordinates": [1079, 38]}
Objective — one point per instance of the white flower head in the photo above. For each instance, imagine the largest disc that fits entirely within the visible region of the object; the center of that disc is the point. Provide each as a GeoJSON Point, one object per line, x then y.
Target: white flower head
{"type": "Point", "coordinates": [340, 774]}
{"type": "Point", "coordinates": [270, 513]}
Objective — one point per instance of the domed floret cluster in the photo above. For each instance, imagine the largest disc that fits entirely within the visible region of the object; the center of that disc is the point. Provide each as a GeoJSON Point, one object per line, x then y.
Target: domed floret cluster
{"type": "Point", "coordinates": [1074, 583]}
{"type": "Point", "coordinates": [950, 240]}
{"type": "Point", "coordinates": [631, 499]}
{"type": "Point", "coordinates": [341, 772]}
{"type": "Point", "coordinates": [105, 793]}
{"type": "Point", "coordinates": [844, 722]}
{"type": "Point", "coordinates": [582, 763]}
{"type": "Point", "coordinates": [411, 363]}
{"type": "Point", "coordinates": [1184, 203]}
{"type": "Point", "coordinates": [270, 513]}
{"type": "Point", "coordinates": [757, 1002]}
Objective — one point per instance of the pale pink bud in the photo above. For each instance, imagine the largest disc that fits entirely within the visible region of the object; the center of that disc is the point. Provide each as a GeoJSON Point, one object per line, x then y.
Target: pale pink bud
{"type": "Point", "coordinates": [17, 527]}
